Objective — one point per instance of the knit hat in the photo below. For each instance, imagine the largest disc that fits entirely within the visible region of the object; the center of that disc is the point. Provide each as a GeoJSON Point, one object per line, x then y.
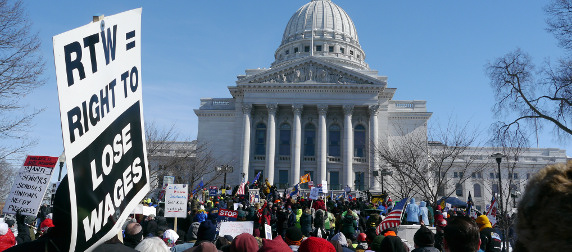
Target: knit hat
{"type": "Point", "coordinates": [315, 244]}
{"type": "Point", "coordinates": [276, 244]}
{"type": "Point", "coordinates": [170, 237]}
{"type": "Point", "coordinates": [483, 222]}
{"type": "Point", "coordinates": [293, 236]}
{"type": "Point", "coordinates": [207, 231]}
{"type": "Point", "coordinates": [244, 242]}
{"type": "Point", "coordinates": [3, 228]}
{"type": "Point", "coordinates": [441, 223]}
{"type": "Point", "coordinates": [424, 237]}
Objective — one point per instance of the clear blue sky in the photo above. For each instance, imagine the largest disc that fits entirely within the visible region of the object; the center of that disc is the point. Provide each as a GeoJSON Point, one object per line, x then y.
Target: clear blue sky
{"type": "Point", "coordinates": [430, 50]}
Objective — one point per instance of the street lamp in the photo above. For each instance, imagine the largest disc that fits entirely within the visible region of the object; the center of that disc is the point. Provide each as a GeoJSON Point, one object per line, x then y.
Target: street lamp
{"type": "Point", "coordinates": [62, 160]}
{"type": "Point", "coordinates": [384, 172]}
{"type": "Point", "coordinates": [224, 169]}
{"type": "Point", "coordinates": [498, 157]}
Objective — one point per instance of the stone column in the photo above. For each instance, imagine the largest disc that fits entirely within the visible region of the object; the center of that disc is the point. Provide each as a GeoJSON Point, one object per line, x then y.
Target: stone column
{"type": "Point", "coordinates": [374, 147]}
{"type": "Point", "coordinates": [271, 142]}
{"type": "Point", "coordinates": [297, 146]}
{"type": "Point", "coordinates": [322, 143]}
{"type": "Point", "coordinates": [246, 110]}
{"type": "Point", "coordinates": [348, 146]}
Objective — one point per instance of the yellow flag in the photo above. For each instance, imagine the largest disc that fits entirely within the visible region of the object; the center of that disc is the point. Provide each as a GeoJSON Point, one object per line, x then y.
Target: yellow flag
{"type": "Point", "coordinates": [305, 179]}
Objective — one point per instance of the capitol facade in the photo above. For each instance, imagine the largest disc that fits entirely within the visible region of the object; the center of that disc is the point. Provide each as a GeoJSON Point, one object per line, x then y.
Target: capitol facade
{"type": "Point", "coordinates": [318, 109]}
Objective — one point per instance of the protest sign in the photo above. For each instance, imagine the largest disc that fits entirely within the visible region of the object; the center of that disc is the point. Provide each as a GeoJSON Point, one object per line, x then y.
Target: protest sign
{"type": "Point", "coordinates": [225, 215]}
{"type": "Point", "coordinates": [30, 185]}
{"type": "Point", "coordinates": [168, 180]}
{"type": "Point", "coordinates": [268, 231]}
{"type": "Point", "coordinates": [324, 186]}
{"type": "Point", "coordinates": [144, 210]}
{"type": "Point", "coordinates": [314, 192]}
{"type": "Point", "coordinates": [98, 72]}
{"type": "Point", "coordinates": [254, 196]}
{"type": "Point", "coordinates": [176, 197]}
{"type": "Point", "coordinates": [235, 206]}
{"type": "Point", "coordinates": [213, 191]}
{"type": "Point", "coordinates": [234, 228]}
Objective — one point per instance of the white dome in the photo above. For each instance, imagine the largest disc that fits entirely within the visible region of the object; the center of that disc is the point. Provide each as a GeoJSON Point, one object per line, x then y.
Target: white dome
{"type": "Point", "coordinates": [333, 32]}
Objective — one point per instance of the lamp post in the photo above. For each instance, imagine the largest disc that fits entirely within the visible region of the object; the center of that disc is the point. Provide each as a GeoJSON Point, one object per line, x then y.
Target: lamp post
{"type": "Point", "coordinates": [514, 194]}
{"type": "Point", "coordinates": [498, 157]}
{"type": "Point", "coordinates": [225, 169]}
{"type": "Point", "coordinates": [384, 172]}
{"type": "Point", "coordinates": [62, 160]}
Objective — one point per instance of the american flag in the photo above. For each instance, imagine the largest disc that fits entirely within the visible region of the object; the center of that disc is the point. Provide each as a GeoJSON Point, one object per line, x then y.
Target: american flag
{"type": "Point", "coordinates": [240, 189]}
{"type": "Point", "coordinates": [394, 218]}
{"type": "Point", "coordinates": [492, 212]}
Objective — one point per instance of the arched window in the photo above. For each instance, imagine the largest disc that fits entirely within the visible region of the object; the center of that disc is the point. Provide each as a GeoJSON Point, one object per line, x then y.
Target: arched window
{"type": "Point", "coordinates": [309, 140]}
{"type": "Point", "coordinates": [477, 189]}
{"type": "Point", "coordinates": [334, 144]}
{"type": "Point", "coordinates": [260, 139]}
{"type": "Point", "coordinates": [459, 189]}
{"type": "Point", "coordinates": [284, 144]}
{"type": "Point", "coordinates": [359, 141]}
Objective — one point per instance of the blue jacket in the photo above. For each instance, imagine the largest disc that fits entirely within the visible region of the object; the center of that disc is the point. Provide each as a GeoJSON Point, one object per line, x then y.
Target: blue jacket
{"type": "Point", "coordinates": [424, 212]}
{"type": "Point", "coordinates": [412, 211]}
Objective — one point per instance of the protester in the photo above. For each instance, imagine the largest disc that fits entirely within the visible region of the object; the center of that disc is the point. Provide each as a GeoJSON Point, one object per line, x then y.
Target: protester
{"type": "Point", "coordinates": [412, 212]}
{"type": "Point", "coordinates": [424, 240]}
{"type": "Point", "coordinates": [133, 234]}
{"type": "Point", "coordinates": [7, 238]}
{"type": "Point", "coordinates": [490, 239]}
{"type": "Point", "coordinates": [461, 235]}
{"type": "Point", "coordinates": [244, 243]}
{"type": "Point", "coordinates": [424, 213]}
{"type": "Point", "coordinates": [543, 218]}
{"type": "Point", "coordinates": [315, 244]}
{"type": "Point", "coordinates": [362, 242]}
{"type": "Point", "coordinates": [113, 244]}
{"type": "Point", "coordinates": [293, 238]}
{"type": "Point", "coordinates": [152, 244]}
{"type": "Point", "coordinates": [440, 226]}
{"type": "Point", "coordinates": [391, 242]}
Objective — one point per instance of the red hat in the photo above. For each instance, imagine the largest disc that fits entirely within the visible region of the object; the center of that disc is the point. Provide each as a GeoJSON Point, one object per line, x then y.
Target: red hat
{"type": "Point", "coordinates": [441, 222]}
{"type": "Point", "coordinates": [276, 244]}
{"type": "Point", "coordinates": [315, 244]}
{"type": "Point", "coordinates": [361, 237]}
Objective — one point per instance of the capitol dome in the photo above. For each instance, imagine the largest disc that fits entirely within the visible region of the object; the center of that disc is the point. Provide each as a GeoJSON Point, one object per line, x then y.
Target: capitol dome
{"type": "Point", "coordinates": [324, 27]}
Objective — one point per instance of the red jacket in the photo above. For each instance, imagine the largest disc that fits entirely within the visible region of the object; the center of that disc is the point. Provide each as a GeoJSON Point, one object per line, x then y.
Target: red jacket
{"type": "Point", "coordinates": [8, 240]}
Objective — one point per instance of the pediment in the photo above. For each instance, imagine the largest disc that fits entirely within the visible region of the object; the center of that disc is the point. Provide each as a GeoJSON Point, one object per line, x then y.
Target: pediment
{"type": "Point", "coordinates": [311, 71]}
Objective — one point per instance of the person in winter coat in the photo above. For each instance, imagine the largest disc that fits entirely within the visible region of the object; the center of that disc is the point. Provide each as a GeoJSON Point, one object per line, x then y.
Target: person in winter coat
{"type": "Point", "coordinates": [298, 216]}
{"type": "Point", "coordinates": [349, 225]}
{"type": "Point", "coordinates": [7, 238]}
{"type": "Point", "coordinates": [424, 213]}
{"type": "Point", "coordinates": [392, 242]}
{"type": "Point", "coordinates": [490, 238]}
{"type": "Point", "coordinates": [412, 212]}
{"type": "Point", "coordinates": [306, 222]}
{"type": "Point", "coordinates": [439, 234]}
{"type": "Point", "coordinates": [319, 221]}
{"type": "Point", "coordinates": [424, 240]}
{"type": "Point", "coordinates": [282, 221]}
{"type": "Point", "coordinates": [343, 241]}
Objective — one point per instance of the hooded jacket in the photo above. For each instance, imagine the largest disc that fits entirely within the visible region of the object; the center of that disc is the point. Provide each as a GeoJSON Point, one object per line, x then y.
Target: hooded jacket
{"type": "Point", "coordinates": [424, 213]}
{"type": "Point", "coordinates": [490, 239]}
{"type": "Point", "coordinates": [412, 211]}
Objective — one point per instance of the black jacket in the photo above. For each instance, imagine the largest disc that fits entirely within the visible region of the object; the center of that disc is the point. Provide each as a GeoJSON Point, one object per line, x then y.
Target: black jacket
{"type": "Point", "coordinates": [490, 240]}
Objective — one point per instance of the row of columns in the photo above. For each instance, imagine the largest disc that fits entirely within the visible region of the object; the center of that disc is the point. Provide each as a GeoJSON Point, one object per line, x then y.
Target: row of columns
{"type": "Point", "coordinates": [296, 153]}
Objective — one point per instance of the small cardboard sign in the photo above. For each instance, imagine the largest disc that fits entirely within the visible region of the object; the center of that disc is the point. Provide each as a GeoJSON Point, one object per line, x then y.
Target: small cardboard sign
{"type": "Point", "coordinates": [234, 228]}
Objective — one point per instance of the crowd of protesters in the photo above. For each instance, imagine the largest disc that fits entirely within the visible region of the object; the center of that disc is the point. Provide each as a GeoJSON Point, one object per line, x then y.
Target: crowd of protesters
{"type": "Point", "coordinates": [325, 224]}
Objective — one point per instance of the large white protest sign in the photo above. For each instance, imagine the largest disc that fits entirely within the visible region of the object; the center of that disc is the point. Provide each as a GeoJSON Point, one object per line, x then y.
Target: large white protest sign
{"type": "Point", "coordinates": [30, 185]}
{"type": "Point", "coordinates": [176, 196]}
{"type": "Point", "coordinates": [234, 228]}
{"type": "Point", "coordinates": [98, 71]}
{"type": "Point", "coordinates": [324, 186]}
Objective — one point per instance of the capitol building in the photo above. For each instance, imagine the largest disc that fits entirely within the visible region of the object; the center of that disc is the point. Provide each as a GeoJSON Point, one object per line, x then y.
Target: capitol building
{"type": "Point", "coordinates": [317, 109]}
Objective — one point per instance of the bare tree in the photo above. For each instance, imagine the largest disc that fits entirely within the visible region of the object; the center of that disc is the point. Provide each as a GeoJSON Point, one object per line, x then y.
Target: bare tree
{"type": "Point", "coordinates": [533, 96]}
{"type": "Point", "coordinates": [21, 68]}
{"type": "Point", "coordinates": [7, 175]}
{"type": "Point", "coordinates": [187, 161]}
{"type": "Point", "coordinates": [421, 167]}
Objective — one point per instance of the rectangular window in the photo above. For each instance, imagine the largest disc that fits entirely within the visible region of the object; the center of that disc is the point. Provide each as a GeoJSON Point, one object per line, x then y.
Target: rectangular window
{"type": "Point", "coordinates": [334, 181]}
{"type": "Point", "coordinates": [515, 175]}
{"type": "Point", "coordinates": [492, 175]}
{"type": "Point", "coordinates": [455, 175]}
{"type": "Point", "coordinates": [282, 179]}
{"type": "Point", "coordinates": [495, 188]}
{"type": "Point", "coordinates": [318, 48]}
{"type": "Point", "coordinates": [480, 174]}
{"type": "Point", "coordinates": [342, 50]}
{"type": "Point", "coordinates": [359, 181]}
{"type": "Point", "coordinates": [306, 48]}
{"type": "Point", "coordinates": [296, 50]}
{"type": "Point", "coordinates": [330, 49]}
{"type": "Point", "coordinates": [473, 175]}
{"type": "Point", "coordinates": [497, 175]}
{"type": "Point", "coordinates": [479, 207]}
{"type": "Point", "coordinates": [528, 176]}
{"type": "Point", "coordinates": [287, 52]}
{"type": "Point", "coordinates": [461, 174]}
